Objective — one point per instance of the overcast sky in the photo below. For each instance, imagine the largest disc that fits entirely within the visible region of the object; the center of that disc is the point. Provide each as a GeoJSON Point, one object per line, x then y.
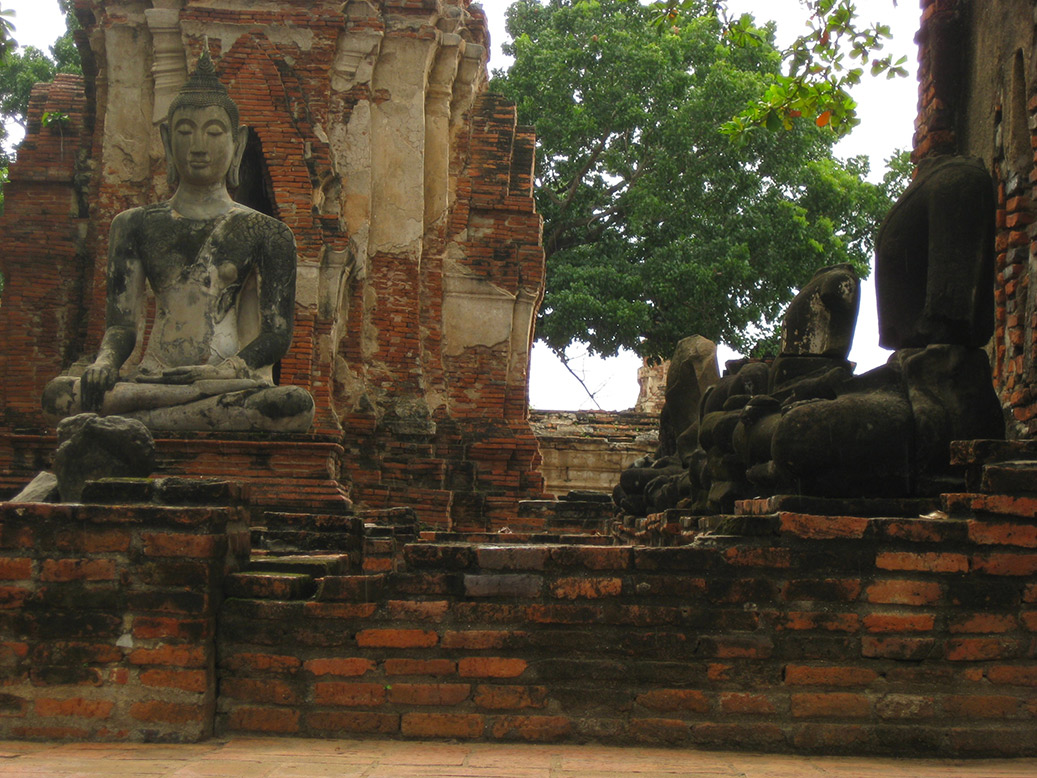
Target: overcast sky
{"type": "Point", "coordinates": [887, 110]}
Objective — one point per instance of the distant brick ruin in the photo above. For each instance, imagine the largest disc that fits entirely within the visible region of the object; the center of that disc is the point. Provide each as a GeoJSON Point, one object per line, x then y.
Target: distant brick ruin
{"type": "Point", "coordinates": [408, 188]}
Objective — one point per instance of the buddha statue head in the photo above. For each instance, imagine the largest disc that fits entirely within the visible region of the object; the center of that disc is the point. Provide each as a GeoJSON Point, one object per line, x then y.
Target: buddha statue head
{"type": "Point", "coordinates": [203, 140]}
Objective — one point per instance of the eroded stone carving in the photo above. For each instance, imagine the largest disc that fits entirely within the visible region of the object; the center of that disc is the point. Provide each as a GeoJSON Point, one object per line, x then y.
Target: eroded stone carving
{"type": "Point", "coordinates": [223, 277]}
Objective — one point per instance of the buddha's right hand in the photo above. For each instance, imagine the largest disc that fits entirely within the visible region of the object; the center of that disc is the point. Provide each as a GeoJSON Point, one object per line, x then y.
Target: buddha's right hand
{"type": "Point", "coordinates": [96, 380]}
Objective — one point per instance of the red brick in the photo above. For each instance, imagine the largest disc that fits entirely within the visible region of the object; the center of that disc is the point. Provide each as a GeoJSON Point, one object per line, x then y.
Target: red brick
{"type": "Point", "coordinates": [75, 706]}
{"type": "Point", "coordinates": [593, 557]}
{"type": "Point", "coordinates": [168, 627]}
{"type": "Point", "coordinates": [981, 649]}
{"type": "Point", "coordinates": [536, 729]}
{"type": "Point", "coordinates": [157, 711]}
{"type": "Point", "coordinates": [491, 667]}
{"type": "Point", "coordinates": [429, 693]}
{"type": "Point", "coordinates": [822, 527]}
{"type": "Point", "coordinates": [19, 569]}
{"type": "Point", "coordinates": [185, 680]}
{"type": "Point", "coordinates": [12, 597]}
{"type": "Point", "coordinates": [261, 662]}
{"type": "Point", "coordinates": [1024, 535]}
{"type": "Point", "coordinates": [477, 639]}
{"type": "Point", "coordinates": [354, 721]}
{"type": "Point", "coordinates": [675, 700]}
{"type": "Point", "coordinates": [821, 620]}
{"type": "Point", "coordinates": [77, 570]}
{"type": "Point", "coordinates": [182, 544]}
{"type": "Point", "coordinates": [817, 736]}
{"type": "Point", "coordinates": [780, 558]}
{"type": "Point", "coordinates": [396, 638]}
{"type": "Point", "coordinates": [658, 731]}
{"type": "Point", "coordinates": [438, 725]}
{"type": "Point", "coordinates": [907, 649]}
{"type": "Point", "coordinates": [931, 562]}
{"type": "Point", "coordinates": [406, 610]}
{"type": "Point", "coordinates": [174, 656]}
{"type": "Point", "coordinates": [904, 592]}
{"type": "Point", "coordinates": [1006, 564]}
{"type": "Point", "coordinates": [354, 695]}
{"type": "Point", "coordinates": [510, 697]}
{"type": "Point", "coordinates": [420, 667]}
{"type": "Point", "coordinates": [1012, 675]}
{"type": "Point", "coordinates": [267, 690]}
{"type": "Point", "coordinates": [899, 622]}
{"type": "Point", "coordinates": [980, 706]}
{"type": "Point", "coordinates": [94, 541]}
{"type": "Point", "coordinates": [830, 705]}
{"type": "Point", "coordinates": [983, 623]}
{"type": "Point", "coordinates": [279, 720]}
{"type": "Point", "coordinates": [345, 667]}
{"type": "Point", "coordinates": [806, 675]}
{"type": "Point", "coordinates": [746, 703]}
{"type": "Point", "coordinates": [586, 588]}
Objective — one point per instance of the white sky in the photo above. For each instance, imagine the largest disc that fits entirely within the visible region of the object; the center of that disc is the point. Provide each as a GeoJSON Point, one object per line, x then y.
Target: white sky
{"type": "Point", "coordinates": [887, 110]}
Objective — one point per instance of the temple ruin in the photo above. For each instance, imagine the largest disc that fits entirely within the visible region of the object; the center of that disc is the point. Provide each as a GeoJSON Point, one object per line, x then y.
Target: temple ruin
{"type": "Point", "coordinates": [400, 570]}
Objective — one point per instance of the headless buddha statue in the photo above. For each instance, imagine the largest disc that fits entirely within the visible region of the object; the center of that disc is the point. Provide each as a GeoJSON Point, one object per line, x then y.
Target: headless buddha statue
{"type": "Point", "coordinates": [223, 277]}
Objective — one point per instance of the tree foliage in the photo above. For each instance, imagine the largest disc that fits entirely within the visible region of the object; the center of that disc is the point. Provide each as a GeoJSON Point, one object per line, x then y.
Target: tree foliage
{"type": "Point", "coordinates": [657, 225]}
{"type": "Point", "coordinates": [820, 66]}
{"type": "Point", "coordinates": [21, 70]}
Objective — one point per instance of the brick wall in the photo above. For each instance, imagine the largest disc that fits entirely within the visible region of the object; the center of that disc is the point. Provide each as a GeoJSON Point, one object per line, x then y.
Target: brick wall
{"type": "Point", "coordinates": [45, 273]}
{"type": "Point", "coordinates": [108, 618]}
{"type": "Point", "coordinates": [790, 631]}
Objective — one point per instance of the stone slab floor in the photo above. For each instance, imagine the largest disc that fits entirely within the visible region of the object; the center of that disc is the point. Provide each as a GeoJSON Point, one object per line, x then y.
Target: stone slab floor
{"type": "Point", "coordinates": [299, 758]}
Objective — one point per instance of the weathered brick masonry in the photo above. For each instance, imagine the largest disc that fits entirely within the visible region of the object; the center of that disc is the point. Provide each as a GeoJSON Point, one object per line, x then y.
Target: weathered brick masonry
{"type": "Point", "coordinates": [108, 615]}
{"type": "Point", "coordinates": [786, 631]}
{"type": "Point", "coordinates": [408, 189]}
{"type": "Point", "coordinates": [789, 631]}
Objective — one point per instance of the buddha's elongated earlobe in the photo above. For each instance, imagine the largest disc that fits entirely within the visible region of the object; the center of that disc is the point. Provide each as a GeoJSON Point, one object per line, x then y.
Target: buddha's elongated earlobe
{"type": "Point", "coordinates": [234, 173]}
{"type": "Point", "coordinates": [172, 177]}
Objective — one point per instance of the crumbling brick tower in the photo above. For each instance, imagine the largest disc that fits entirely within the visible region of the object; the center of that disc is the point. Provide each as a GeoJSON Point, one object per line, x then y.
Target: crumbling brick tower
{"type": "Point", "coordinates": [408, 188]}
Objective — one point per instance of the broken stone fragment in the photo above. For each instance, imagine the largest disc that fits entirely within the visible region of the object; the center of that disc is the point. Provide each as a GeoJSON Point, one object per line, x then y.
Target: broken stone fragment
{"type": "Point", "coordinates": [93, 447]}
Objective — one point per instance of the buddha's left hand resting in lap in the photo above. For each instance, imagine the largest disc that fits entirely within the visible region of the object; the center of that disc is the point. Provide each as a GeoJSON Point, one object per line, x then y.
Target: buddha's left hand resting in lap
{"type": "Point", "coordinates": [223, 277]}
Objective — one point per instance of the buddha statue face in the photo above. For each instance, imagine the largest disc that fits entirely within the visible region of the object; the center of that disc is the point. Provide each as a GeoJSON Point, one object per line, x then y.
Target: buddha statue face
{"type": "Point", "coordinates": [203, 140]}
{"type": "Point", "coordinates": [203, 145]}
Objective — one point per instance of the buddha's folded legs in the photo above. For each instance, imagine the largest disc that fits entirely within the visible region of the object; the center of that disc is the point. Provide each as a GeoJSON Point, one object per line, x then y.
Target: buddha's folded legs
{"type": "Point", "coordinates": [238, 405]}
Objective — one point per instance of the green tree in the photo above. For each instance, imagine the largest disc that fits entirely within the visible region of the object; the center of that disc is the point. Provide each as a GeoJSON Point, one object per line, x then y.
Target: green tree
{"type": "Point", "coordinates": [21, 70]}
{"type": "Point", "coordinates": [656, 224]}
{"type": "Point", "coordinates": [820, 66]}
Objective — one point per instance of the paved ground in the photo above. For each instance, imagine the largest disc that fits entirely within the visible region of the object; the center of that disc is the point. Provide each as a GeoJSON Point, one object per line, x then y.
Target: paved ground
{"type": "Point", "coordinates": [297, 758]}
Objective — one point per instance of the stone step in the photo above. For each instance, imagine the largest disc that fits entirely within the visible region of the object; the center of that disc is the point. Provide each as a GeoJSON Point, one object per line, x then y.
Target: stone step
{"type": "Point", "coordinates": [1015, 477]}
{"type": "Point", "coordinates": [351, 588]}
{"type": "Point", "coordinates": [300, 541]}
{"type": "Point", "coordinates": [315, 565]}
{"type": "Point", "coordinates": [970, 505]}
{"type": "Point", "coordinates": [270, 586]}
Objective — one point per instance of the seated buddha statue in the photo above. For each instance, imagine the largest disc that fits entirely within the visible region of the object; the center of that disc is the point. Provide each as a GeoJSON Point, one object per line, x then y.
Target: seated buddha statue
{"type": "Point", "coordinates": [223, 279]}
